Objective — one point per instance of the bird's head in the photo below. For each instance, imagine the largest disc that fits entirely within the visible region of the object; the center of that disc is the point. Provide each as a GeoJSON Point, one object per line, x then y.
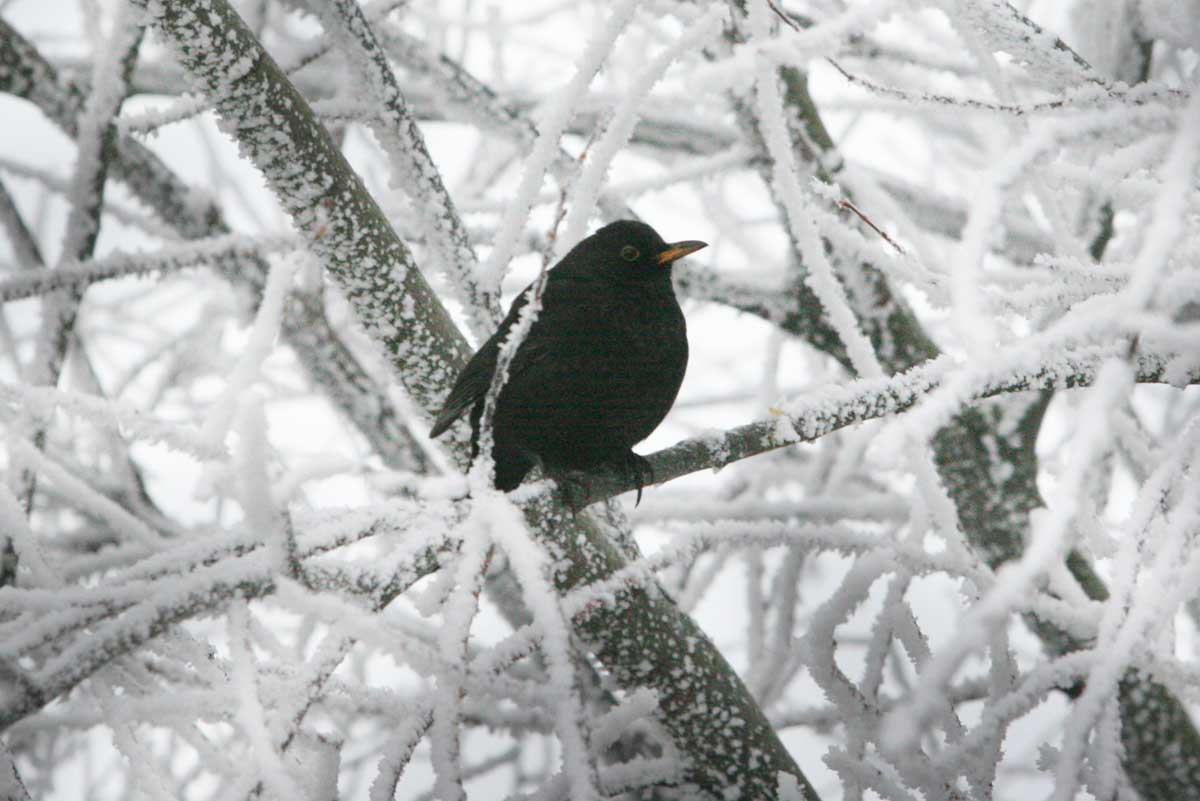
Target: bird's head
{"type": "Point", "coordinates": [629, 250]}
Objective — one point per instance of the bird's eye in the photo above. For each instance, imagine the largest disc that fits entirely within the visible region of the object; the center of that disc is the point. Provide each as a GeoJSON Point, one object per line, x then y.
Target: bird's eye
{"type": "Point", "coordinates": [630, 253]}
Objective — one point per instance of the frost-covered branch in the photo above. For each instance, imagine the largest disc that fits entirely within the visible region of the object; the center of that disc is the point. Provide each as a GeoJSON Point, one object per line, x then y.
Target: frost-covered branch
{"type": "Point", "coordinates": [227, 253]}
{"type": "Point", "coordinates": [966, 448]}
{"type": "Point", "coordinates": [329, 205]}
{"type": "Point", "coordinates": [360, 250]}
{"type": "Point", "coordinates": [96, 146]}
{"type": "Point", "coordinates": [813, 416]}
{"type": "Point", "coordinates": [176, 584]}
{"type": "Point", "coordinates": [413, 168]}
{"type": "Point", "coordinates": [25, 73]}
{"type": "Point", "coordinates": [965, 266]}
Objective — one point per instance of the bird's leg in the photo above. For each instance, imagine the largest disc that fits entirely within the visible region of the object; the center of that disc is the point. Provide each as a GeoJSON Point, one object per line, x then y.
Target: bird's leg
{"type": "Point", "coordinates": [574, 487]}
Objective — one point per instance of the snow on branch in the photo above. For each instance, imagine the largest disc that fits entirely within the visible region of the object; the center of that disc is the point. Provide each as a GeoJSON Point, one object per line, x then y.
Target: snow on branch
{"type": "Point", "coordinates": [818, 414]}
{"type": "Point", "coordinates": [951, 282]}
{"type": "Point", "coordinates": [413, 169]}
{"type": "Point", "coordinates": [225, 252]}
{"type": "Point", "coordinates": [328, 202]}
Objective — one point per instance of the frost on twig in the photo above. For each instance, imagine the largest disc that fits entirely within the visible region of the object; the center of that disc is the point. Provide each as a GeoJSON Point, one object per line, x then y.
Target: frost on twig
{"type": "Point", "coordinates": [922, 526]}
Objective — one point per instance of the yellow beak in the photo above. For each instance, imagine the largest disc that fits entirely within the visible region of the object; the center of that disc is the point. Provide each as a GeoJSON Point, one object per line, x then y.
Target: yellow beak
{"type": "Point", "coordinates": [677, 250]}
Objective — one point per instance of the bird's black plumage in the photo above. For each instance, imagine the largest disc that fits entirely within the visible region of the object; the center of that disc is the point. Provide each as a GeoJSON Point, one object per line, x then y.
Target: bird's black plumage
{"type": "Point", "coordinates": [599, 368]}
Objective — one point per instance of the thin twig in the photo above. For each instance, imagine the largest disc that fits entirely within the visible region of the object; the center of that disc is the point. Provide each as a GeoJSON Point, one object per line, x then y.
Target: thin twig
{"type": "Point", "coordinates": [845, 203]}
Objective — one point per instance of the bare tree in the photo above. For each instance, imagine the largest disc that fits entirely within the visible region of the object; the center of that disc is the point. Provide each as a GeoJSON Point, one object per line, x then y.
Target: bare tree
{"type": "Point", "coordinates": [953, 290]}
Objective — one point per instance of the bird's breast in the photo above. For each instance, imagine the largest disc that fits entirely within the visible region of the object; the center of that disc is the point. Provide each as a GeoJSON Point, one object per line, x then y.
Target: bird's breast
{"type": "Point", "coordinates": [644, 358]}
{"type": "Point", "coordinates": [610, 372]}
{"type": "Point", "coordinates": [650, 331]}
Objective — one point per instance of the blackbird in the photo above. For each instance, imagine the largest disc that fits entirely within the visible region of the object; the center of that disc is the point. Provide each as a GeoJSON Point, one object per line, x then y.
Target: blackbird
{"type": "Point", "coordinates": [599, 368]}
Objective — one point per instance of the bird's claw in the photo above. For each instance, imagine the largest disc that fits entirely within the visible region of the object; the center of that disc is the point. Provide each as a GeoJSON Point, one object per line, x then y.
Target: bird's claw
{"type": "Point", "coordinates": [575, 484]}
{"type": "Point", "coordinates": [638, 468]}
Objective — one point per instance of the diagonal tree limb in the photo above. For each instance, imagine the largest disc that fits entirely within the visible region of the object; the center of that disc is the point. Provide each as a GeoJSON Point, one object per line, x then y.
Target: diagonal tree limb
{"type": "Point", "coordinates": [350, 236]}
{"type": "Point", "coordinates": [342, 224]}
{"type": "Point", "coordinates": [465, 96]}
{"type": "Point", "coordinates": [12, 787]}
{"type": "Point", "coordinates": [412, 166]}
{"type": "Point", "coordinates": [307, 329]}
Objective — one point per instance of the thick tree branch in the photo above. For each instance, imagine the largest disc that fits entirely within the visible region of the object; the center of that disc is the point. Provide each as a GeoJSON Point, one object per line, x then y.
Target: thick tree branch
{"type": "Point", "coordinates": [352, 239]}
{"type": "Point", "coordinates": [330, 207]}
{"type": "Point", "coordinates": [306, 328]}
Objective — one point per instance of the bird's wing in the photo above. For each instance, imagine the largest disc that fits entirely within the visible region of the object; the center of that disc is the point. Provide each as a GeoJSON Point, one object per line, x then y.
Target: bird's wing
{"type": "Point", "coordinates": [472, 384]}
{"type": "Point", "coordinates": [476, 378]}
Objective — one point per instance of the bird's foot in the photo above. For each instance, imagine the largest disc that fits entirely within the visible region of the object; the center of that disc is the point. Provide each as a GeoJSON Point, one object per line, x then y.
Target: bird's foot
{"type": "Point", "coordinates": [637, 468]}
{"type": "Point", "coordinates": [577, 485]}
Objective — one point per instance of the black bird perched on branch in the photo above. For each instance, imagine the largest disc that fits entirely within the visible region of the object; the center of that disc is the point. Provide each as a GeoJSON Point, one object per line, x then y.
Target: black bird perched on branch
{"type": "Point", "coordinates": [599, 368]}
